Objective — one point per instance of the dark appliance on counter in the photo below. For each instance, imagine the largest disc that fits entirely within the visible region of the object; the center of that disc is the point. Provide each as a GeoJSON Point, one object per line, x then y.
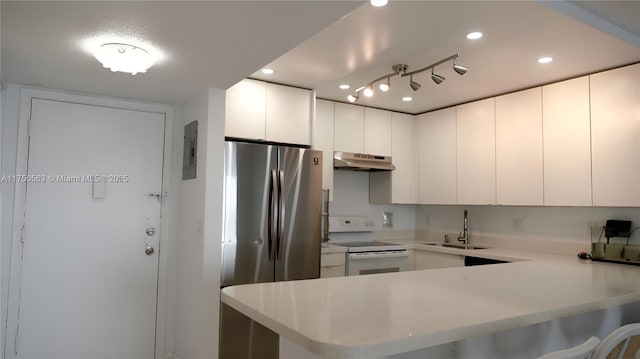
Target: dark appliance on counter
{"type": "Point", "coordinates": [271, 231]}
{"type": "Point", "coordinates": [620, 251]}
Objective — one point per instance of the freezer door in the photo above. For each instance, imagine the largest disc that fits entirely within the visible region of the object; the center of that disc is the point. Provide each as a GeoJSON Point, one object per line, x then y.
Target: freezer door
{"type": "Point", "coordinates": [300, 194]}
{"type": "Point", "coordinates": [243, 338]}
{"type": "Point", "coordinates": [249, 194]}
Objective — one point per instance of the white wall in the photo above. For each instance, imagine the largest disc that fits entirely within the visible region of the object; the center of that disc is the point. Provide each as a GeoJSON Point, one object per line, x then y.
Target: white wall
{"type": "Point", "coordinates": [351, 197]}
{"type": "Point", "coordinates": [562, 223]}
{"type": "Point", "coordinates": [195, 271]}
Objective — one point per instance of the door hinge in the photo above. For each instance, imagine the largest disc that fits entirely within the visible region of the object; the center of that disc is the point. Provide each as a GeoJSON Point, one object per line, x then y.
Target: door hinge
{"type": "Point", "coordinates": [22, 233]}
{"type": "Point", "coordinates": [16, 343]}
{"type": "Point", "coordinates": [29, 128]}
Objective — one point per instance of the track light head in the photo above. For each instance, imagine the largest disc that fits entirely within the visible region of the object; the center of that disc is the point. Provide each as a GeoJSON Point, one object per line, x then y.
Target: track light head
{"type": "Point", "coordinates": [368, 91]}
{"type": "Point", "coordinates": [353, 97]}
{"type": "Point", "coordinates": [461, 70]}
{"type": "Point", "coordinates": [437, 78]}
{"type": "Point", "coordinates": [414, 85]}
{"type": "Point", "coordinates": [385, 86]}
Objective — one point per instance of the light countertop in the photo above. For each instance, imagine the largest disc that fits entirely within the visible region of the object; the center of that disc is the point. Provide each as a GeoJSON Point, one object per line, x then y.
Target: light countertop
{"type": "Point", "coordinates": [383, 314]}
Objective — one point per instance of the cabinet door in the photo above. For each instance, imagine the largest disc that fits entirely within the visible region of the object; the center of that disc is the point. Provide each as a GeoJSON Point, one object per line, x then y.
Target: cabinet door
{"type": "Point", "coordinates": [245, 107]}
{"type": "Point", "coordinates": [403, 150]}
{"type": "Point", "coordinates": [433, 260]}
{"type": "Point", "coordinates": [437, 157]}
{"type": "Point", "coordinates": [567, 143]}
{"type": "Point", "coordinates": [349, 128]}
{"type": "Point", "coordinates": [519, 148]}
{"type": "Point", "coordinates": [377, 132]}
{"type": "Point", "coordinates": [288, 114]}
{"type": "Point", "coordinates": [476, 152]}
{"type": "Point", "coordinates": [323, 141]}
{"type": "Point", "coordinates": [615, 131]}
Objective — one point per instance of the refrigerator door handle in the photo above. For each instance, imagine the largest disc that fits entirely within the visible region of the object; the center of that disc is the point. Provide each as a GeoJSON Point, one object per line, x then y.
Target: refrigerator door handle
{"type": "Point", "coordinates": [281, 214]}
{"type": "Point", "coordinates": [273, 216]}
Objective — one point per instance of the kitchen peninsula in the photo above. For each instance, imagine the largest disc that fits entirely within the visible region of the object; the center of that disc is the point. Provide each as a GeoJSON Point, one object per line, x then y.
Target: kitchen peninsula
{"type": "Point", "coordinates": [377, 316]}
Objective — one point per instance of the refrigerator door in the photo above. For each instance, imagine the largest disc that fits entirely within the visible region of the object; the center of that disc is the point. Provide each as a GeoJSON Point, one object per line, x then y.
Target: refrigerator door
{"type": "Point", "coordinates": [249, 194]}
{"type": "Point", "coordinates": [300, 195]}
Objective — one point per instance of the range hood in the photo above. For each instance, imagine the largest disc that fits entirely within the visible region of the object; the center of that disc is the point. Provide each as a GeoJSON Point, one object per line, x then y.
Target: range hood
{"type": "Point", "coordinates": [362, 162]}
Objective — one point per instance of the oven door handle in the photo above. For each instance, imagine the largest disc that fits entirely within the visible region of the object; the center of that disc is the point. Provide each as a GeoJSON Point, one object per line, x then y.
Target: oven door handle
{"type": "Point", "coordinates": [378, 255]}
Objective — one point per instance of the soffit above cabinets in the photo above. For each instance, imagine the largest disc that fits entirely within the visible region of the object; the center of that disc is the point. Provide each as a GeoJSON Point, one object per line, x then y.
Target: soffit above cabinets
{"type": "Point", "coordinates": [366, 43]}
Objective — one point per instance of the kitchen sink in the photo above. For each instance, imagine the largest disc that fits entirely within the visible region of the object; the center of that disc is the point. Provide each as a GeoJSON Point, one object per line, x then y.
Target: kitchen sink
{"type": "Point", "coordinates": [455, 245]}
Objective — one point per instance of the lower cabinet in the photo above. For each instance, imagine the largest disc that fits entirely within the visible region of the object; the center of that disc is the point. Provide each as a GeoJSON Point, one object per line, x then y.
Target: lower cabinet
{"type": "Point", "coordinates": [332, 265]}
{"type": "Point", "coordinates": [433, 260]}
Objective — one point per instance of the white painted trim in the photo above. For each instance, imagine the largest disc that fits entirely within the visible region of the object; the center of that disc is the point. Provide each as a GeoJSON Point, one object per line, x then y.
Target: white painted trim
{"type": "Point", "coordinates": [26, 95]}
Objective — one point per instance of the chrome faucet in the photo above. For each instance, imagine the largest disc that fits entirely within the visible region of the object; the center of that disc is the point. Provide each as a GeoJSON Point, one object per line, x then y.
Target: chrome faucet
{"type": "Point", "coordinates": [464, 236]}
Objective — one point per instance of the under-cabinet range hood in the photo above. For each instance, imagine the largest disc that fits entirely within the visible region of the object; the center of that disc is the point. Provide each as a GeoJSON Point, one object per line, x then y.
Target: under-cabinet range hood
{"type": "Point", "coordinates": [362, 162]}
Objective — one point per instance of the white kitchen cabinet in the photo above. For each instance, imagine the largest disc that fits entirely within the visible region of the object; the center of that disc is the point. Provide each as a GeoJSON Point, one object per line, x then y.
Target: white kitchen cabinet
{"type": "Point", "coordinates": [567, 143]}
{"type": "Point", "coordinates": [476, 152]}
{"type": "Point", "coordinates": [332, 264]}
{"type": "Point", "coordinates": [245, 106]}
{"type": "Point", "coordinates": [519, 179]}
{"type": "Point", "coordinates": [437, 157]}
{"type": "Point", "coordinates": [377, 132]}
{"type": "Point", "coordinates": [615, 134]}
{"type": "Point", "coordinates": [258, 110]}
{"type": "Point", "coordinates": [323, 141]}
{"type": "Point", "coordinates": [434, 260]}
{"type": "Point", "coordinates": [349, 128]}
{"type": "Point", "coordinates": [399, 185]}
{"type": "Point", "coordinates": [288, 114]}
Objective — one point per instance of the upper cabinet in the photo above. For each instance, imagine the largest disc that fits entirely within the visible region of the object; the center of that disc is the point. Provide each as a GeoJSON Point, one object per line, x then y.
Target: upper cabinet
{"type": "Point", "coordinates": [615, 135]}
{"type": "Point", "coordinates": [262, 111]}
{"type": "Point", "coordinates": [519, 148]}
{"type": "Point", "coordinates": [567, 143]}
{"type": "Point", "coordinates": [437, 157]}
{"type": "Point", "coordinates": [349, 128]}
{"type": "Point", "coordinates": [377, 132]}
{"type": "Point", "coordinates": [245, 107]}
{"type": "Point", "coordinates": [323, 141]}
{"type": "Point", "coordinates": [399, 185]}
{"type": "Point", "coordinates": [476, 152]}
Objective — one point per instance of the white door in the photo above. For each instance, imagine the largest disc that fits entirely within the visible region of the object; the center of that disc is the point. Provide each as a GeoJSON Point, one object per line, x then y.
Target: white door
{"type": "Point", "coordinates": [88, 287]}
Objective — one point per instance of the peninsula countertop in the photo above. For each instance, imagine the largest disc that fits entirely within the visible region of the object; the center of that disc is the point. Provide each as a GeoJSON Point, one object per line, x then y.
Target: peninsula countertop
{"type": "Point", "coordinates": [383, 314]}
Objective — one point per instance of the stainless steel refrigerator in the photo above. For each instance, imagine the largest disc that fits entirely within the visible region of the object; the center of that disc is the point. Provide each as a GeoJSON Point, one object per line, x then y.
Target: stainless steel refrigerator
{"type": "Point", "coordinates": [272, 217]}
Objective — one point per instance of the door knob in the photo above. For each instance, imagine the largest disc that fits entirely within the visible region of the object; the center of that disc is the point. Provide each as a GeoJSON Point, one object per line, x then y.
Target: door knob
{"type": "Point", "coordinates": [149, 250]}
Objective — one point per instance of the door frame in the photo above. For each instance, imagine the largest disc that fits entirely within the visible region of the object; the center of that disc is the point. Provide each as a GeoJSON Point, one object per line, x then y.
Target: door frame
{"type": "Point", "coordinates": [22, 152]}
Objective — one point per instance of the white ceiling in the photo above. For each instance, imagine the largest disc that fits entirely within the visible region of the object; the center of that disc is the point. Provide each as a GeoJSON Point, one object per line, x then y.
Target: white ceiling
{"type": "Point", "coordinates": [217, 43]}
{"type": "Point", "coordinates": [206, 43]}
{"type": "Point", "coordinates": [365, 44]}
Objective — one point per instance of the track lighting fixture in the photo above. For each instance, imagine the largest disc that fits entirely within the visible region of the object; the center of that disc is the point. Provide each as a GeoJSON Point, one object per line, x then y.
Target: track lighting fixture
{"type": "Point", "coordinates": [414, 85]}
{"type": "Point", "coordinates": [401, 70]}
{"type": "Point", "coordinates": [437, 78]}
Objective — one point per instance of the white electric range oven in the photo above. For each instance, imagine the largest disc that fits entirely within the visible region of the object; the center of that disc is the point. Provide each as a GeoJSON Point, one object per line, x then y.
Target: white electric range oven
{"type": "Point", "coordinates": [366, 256]}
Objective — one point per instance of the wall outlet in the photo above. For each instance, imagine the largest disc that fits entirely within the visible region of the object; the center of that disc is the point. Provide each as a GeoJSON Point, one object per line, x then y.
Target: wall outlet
{"type": "Point", "coordinates": [519, 224]}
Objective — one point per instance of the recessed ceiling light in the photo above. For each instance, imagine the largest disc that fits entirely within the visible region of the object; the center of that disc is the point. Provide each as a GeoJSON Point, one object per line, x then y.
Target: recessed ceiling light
{"type": "Point", "coordinates": [406, 99]}
{"type": "Point", "coordinates": [474, 35]}
{"type": "Point", "coordinates": [267, 71]}
{"type": "Point", "coordinates": [344, 86]}
{"type": "Point", "coordinates": [124, 58]}
{"type": "Point", "coordinates": [379, 3]}
{"type": "Point", "coordinates": [545, 59]}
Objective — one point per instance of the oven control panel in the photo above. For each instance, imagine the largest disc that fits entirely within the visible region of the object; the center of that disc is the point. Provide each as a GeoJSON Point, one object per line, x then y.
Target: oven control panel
{"type": "Point", "coordinates": [339, 224]}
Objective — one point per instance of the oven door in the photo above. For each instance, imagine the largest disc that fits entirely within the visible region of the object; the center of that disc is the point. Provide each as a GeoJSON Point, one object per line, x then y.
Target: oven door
{"type": "Point", "coordinates": [377, 262]}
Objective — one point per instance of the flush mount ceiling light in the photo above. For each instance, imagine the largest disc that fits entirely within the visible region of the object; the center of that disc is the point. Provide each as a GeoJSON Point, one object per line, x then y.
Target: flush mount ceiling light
{"type": "Point", "coordinates": [344, 87]}
{"type": "Point", "coordinates": [124, 58]}
{"type": "Point", "coordinates": [474, 35]}
{"type": "Point", "coordinates": [401, 70]}
{"type": "Point", "coordinates": [267, 71]}
{"type": "Point", "coordinates": [379, 3]}
{"type": "Point", "coordinates": [545, 59]}
{"type": "Point", "coordinates": [407, 99]}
